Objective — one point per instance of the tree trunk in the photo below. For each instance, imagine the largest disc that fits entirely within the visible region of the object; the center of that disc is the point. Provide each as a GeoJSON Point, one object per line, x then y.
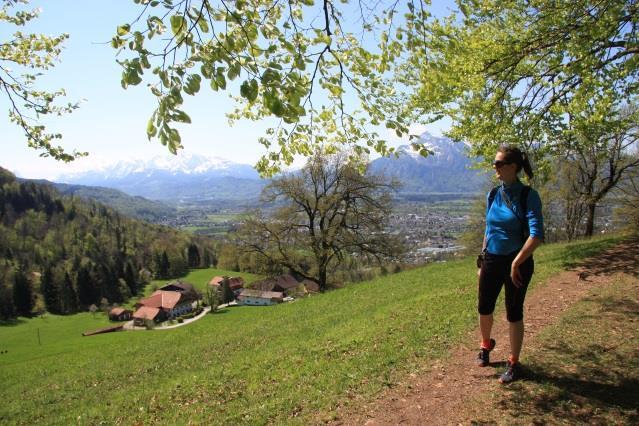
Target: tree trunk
{"type": "Point", "coordinates": [590, 222]}
{"type": "Point", "coordinates": [322, 278]}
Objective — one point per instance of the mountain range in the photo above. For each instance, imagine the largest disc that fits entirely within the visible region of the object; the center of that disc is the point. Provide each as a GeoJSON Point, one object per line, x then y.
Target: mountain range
{"type": "Point", "coordinates": [447, 170]}
{"type": "Point", "coordinates": [185, 177]}
{"type": "Point", "coordinates": [198, 178]}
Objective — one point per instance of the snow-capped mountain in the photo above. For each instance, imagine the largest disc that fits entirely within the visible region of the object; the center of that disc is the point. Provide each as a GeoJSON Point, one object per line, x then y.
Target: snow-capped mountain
{"type": "Point", "coordinates": [446, 170]}
{"type": "Point", "coordinates": [183, 163]}
{"type": "Point", "coordinates": [198, 177]}
{"type": "Point", "coordinates": [169, 177]}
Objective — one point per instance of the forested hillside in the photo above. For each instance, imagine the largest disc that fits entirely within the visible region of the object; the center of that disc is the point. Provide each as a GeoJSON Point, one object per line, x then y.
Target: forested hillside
{"type": "Point", "coordinates": [129, 205]}
{"type": "Point", "coordinates": [64, 254]}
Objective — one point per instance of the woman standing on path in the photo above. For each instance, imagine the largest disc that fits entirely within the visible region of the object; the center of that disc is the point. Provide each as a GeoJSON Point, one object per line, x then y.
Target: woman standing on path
{"type": "Point", "coordinates": [514, 229]}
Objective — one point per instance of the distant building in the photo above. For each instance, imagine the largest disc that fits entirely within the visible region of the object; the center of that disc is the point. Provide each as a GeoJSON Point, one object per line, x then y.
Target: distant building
{"type": "Point", "coordinates": [311, 286]}
{"type": "Point", "coordinates": [281, 283]}
{"type": "Point", "coordinates": [162, 305]}
{"type": "Point", "coordinates": [120, 314]}
{"type": "Point", "coordinates": [187, 290]}
{"type": "Point", "coordinates": [260, 298]}
{"type": "Point", "coordinates": [235, 283]}
{"type": "Point", "coordinates": [144, 313]}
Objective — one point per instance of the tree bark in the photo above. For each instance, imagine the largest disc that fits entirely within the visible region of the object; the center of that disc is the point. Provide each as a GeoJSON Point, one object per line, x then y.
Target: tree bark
{"type": "Point", "coordinates": [322, 278]}
{"type": "Point", "coordinates": [590, 222]}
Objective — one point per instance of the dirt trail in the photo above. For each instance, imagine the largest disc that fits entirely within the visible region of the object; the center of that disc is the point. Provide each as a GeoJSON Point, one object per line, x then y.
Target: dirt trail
{"type": "Point", "coordinates": [437, 397]}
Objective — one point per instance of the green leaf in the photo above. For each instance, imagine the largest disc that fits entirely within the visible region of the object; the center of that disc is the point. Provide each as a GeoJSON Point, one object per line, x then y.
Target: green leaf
{"type": "Point", "coordinates": [300, 63]}
{"type": "Point", "coordinates": [221, 81]}
{"type": "Point", "coordinates": [117, 42]}
{"type": "Point", "coordinates": [181, 117]}
{"type": "Point", "coordinates": [151, 130]}
{"type": "Point", "coordinates": [178, 24]}
{"type": "Point", "coordinates": [244, 89]}
{"type": "Point", "coordinates": [254, 89]}
{"type": "Point", "coordinates": [192, 84]}
{"type": "Point", "coordinates": [123, 29]}
{"type": "Point", "coordinates": [204, 26]}
{"type": "Point", "coordinates": [249, 90]}
{"type": "Point", "coordinates": [277, 107]}
{"type": "Point", "coordinates": [130, 77]}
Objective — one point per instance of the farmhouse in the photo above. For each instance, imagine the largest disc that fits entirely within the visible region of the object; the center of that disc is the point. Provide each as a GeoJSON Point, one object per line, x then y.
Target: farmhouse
{"type": "Point", "coordinates": [188, 292]}
{"type": "Point", "coordinates": [146, 313]}
{"type": "Point", "coordinates": [120, 314]}
{"type": "Point", "coordinates": [260, 298]}
{"type": "Point", "coordinates": [281, 283]}
{"type": "Point", "coordinates": [160, 306]}
{"type": "Point", "coordinates": [235, 283]}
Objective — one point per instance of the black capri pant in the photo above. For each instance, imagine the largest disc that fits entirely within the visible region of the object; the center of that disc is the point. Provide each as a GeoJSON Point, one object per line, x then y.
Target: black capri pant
{"type": "Point", "coordinates": [495, 273]}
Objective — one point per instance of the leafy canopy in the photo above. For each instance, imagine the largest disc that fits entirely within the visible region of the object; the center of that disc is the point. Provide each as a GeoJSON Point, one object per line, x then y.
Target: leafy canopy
{"type": "Point", "coordinates": [23, 58]}
{"type": "Point", "coordinates": [517, 71]}
{"type": "Point", "coordinates": [296, 62]}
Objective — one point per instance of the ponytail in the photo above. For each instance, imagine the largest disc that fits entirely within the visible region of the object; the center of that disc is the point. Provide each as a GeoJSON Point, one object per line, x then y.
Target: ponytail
{"type": "Point", "coordinates": [521, 159]}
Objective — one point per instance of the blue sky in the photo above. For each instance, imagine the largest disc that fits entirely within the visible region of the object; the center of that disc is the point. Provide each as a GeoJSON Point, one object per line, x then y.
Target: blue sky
{"type": "Point", "coordinates": [111, 121]}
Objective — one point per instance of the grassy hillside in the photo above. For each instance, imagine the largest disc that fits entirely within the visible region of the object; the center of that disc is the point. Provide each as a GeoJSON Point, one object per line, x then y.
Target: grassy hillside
{"type": "Point", "coordinates": [277, 364]}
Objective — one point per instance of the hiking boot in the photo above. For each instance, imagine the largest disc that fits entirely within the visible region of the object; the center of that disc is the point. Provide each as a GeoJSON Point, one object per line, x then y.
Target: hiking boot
{"type": "Point", "coordinates": [512, 373]}
{"type": "Point", "coordinates": [483, 357]}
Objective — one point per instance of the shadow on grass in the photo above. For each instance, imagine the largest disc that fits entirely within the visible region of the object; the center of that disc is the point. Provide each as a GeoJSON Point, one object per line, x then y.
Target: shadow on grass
{"type": "Point", "coordinates": [592, 376]}
{"type": "Point", "coordinates": [623, 257]}
{"type": "Point", "coordinates": [578, 397]}
{"type": "Point", "coordinates": [624, 307]}
{"type": "Point", "coordinates": [11, 322]}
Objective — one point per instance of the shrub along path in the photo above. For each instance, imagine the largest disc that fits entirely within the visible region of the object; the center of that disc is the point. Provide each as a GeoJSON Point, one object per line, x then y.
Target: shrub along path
{"type": "Point", "coordinates": [581, 359]}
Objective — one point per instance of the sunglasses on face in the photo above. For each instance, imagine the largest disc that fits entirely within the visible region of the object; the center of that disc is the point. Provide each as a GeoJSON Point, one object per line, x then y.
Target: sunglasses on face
{"type": "Point", "coordinates": [499, 164]}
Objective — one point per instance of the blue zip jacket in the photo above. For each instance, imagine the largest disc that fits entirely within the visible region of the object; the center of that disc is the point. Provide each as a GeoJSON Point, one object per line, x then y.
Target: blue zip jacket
{"type": "Point", "coordinates": [503, 227]}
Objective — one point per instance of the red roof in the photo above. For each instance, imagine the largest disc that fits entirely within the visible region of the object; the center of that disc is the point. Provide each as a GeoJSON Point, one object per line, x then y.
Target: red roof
{"type": "Point", "coordinates": [146, 312]}
{"type": "Point", "coordinates": [161, 299]}
{"type": "Point", "coordinates": [234, 282]}
{"type": "Point", "coordinates": [117, 311]}
{"type": "Point", "coordinates": [278, 283]}
{"type": "Point", "coordinates": [216, 280]}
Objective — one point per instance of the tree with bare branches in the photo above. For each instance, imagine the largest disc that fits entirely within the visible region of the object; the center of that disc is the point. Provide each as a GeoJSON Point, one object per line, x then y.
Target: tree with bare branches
{"type": "Point", "coordinates": [327, 212]}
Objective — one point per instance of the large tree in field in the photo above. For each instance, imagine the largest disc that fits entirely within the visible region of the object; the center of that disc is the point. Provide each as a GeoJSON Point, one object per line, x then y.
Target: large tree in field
{"type": "Point", "coordinates": [598, 156]}
{"type": "Point", "coordinates": [328, 211]}
{"type": "Point", "coordinates": [309, 66]}
{"type": "Point", "coordinates": [506, 71]}
{"type": "Point", "coordinates": [23, 58]}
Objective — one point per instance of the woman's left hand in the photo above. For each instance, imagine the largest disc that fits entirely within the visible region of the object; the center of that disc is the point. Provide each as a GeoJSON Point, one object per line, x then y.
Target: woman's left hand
{"type": "Point", "coordinates": [515, 275]}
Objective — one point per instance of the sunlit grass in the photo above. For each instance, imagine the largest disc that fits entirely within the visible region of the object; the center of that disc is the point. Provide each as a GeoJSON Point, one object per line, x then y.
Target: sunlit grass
{"type": "Point", "coordinates": [284, 363]}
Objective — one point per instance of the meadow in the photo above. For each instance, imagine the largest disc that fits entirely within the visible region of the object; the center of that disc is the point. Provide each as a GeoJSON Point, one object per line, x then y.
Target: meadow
{"type": "Point", "coordinates": [291, 363]}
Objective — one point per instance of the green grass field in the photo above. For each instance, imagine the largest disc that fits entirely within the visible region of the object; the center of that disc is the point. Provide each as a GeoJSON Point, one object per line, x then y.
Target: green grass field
{"type": "Point", "coordinates": [280, 364]}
